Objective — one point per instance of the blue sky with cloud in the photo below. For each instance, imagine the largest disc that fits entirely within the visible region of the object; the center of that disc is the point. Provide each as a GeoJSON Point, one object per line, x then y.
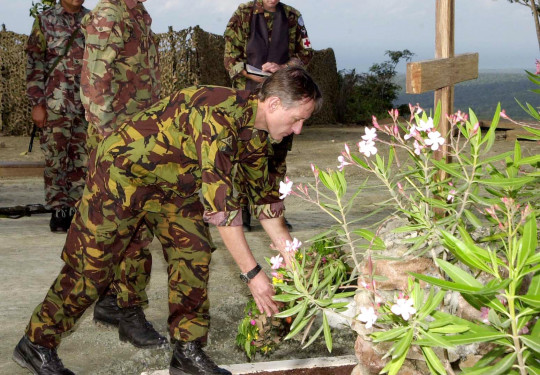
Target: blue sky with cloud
{"type": "Point", "coordinates": [360, 31]}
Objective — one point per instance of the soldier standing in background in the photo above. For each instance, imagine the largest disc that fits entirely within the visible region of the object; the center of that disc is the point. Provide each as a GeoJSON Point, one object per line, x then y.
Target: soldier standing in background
{"type": "Point", "coordinates": [268, 35]}
{"type": "Point", "coordinates": [120, 77]}
{"type": "Point", "coordinates": [53, 72]}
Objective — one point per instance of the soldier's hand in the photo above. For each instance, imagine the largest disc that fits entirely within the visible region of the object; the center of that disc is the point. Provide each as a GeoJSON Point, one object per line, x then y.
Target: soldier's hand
{"type": "Point", "coordinates": [39, 115]}
{"type": "Point", "coordinates": [271, 67]}
{"type": "Point", "coordinates": [262, 291]}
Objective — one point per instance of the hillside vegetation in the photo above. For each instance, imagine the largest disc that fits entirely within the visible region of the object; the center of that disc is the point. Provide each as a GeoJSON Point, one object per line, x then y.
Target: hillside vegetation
{"type": "Point", "coordinates": [482, 94]}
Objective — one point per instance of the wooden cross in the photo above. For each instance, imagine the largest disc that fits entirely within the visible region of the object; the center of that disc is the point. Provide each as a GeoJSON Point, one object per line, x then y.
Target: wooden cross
{"type": "Point", "coordinates": [444, 71]}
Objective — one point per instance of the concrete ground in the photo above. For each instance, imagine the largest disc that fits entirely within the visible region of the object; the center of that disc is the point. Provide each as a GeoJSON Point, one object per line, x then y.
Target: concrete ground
{"type": "Point", "coordinates": [30, 261]}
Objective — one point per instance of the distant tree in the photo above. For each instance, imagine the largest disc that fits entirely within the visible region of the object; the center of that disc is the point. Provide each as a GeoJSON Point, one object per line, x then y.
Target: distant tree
{"type": "Point", "coordinates": [366, 94]}
{"type": "Point", "coordinates": [40, 6]}
{"type": "Point", "coordinates": [535, 10]}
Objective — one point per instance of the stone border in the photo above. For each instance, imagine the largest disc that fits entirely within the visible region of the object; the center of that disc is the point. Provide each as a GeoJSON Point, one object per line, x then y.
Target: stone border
{"type": "Point", "coordinates": [311, 366]}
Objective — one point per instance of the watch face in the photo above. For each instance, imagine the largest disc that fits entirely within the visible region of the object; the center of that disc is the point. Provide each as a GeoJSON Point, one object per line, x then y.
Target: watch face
{"type": "Point", "coordinates": [244, 278]}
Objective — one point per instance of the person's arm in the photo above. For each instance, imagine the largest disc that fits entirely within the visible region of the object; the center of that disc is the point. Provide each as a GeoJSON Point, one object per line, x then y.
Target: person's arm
{"type": "Point", "coordinates": [35, 73]}
{"type": "Point", "coordinates": [303, 50]}
{"type": "Point", "coordinates": [104, 40]}
{"type": "Point", "coordinates": [260, 286]}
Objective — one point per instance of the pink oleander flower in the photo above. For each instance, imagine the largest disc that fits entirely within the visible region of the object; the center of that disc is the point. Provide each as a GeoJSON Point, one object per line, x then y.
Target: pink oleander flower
{"type": "Point", "coordinates": [425, 126]}
{"type": "Point", "coordinates": [285, 188]}
{"type": "Point", "coordinates": [368, 316]}
{"type": "Point", "coordinates": [451, 195]}
{"type": "Point", "coordinates": [347, 150]}
{"type": "Point", "coordinates": [537, 66]}
{"type": "Point", "coordinates": [277, 262]}
{"type": "Point", "coordinates": [412, 132]}
{"type": "Point", "coordinates": [292, 246]}
{"type": "Point", "coordinates": [484, 312]}
{"type": "Point", "coordinates": [253, 322]}
{"type": "Point", "coordinates": [367, 148]}
{"type": "Point", "coordinates": [342, 162]}
{"type": "Point", "coordinates": [371, 134]}
{"type": "Point", "coordinates": [375, 123]}
{"type": "Point", "coordinates": [475, 128]}
{"type": "Point", "coordinates": [434, 140]}
{"type": "Point", "coordinates": [404, 307]}
{"type": "Point", "coordinates": [394, 113]}
{"type": "Point", "coordinates": [418, 147]}
{"type": "Point", "coordinates": [503, 114]}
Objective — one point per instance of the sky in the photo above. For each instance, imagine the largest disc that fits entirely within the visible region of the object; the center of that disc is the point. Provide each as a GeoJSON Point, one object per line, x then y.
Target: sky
{"type": "Point", "coordinates": [360, 31]}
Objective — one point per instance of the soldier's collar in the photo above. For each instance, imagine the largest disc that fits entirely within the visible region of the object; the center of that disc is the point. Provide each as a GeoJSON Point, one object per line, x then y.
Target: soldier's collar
{"type": "Point", "coordinates": [259, 8]}
{"type": "Point", "coordinates": [131, 3]}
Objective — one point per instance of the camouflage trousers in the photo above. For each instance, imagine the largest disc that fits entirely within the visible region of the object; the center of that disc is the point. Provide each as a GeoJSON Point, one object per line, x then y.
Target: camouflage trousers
{"type": "Point", "coordinates": [132, 275]}
{"type": "Point", "coordinates": [64, 144]}
{"type": "Point", "coordinates": [96, 243]}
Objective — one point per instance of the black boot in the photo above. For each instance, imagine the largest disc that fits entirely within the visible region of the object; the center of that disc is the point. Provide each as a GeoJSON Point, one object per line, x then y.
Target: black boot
{"type": "Point", "coordinates": [69, 213]}
{"type": "Point", "coordinates": [38, 359]}
{"type": "Point", "coordinates": [107, 311]}
{"type": "Point", "coordinates": [189, 359]}
{"type": "Point", "coordinates": [58, 220]}
{"type": "Point", "coordinates": [135, 329]}
{"type": "Point", "coordinates": [246, 219]}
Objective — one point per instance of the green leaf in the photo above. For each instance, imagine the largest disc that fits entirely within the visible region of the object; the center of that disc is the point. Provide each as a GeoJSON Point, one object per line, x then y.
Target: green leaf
{"type": "Point", "coordinates": [433, 339]}
{"type": "Point", "coordinates": [378, 243]}
{"type": "Point", "coordinates": [529, 241]}
{"type": "Point", "coordinates": [290, 312]}
{"type": "Point", "coordinates": [469, 338]}
{"type": "Point", "coordinates": [507, 183]}
{"type": "Point", "coordinates": [450, 328]}
{"type": "Point", "coordinates": [447, 285]}
{"type": "Point", "coordinates": [389, 335]}
{"type": "Point", "coordinates": [470, 255]}
{"type": "Point", "coordinates": [490, 135]}
{"type": "Point", "coordinates": [402, 346]}
{"type": "Point", "coordinates": [531, 300]}
{"type": "Point", "coordinates": [327, 333]}
{"type": "Point", "coordinates": [531, 342]}
{"type": "Point", "coordinates": [297, 329]}
{"type": "Point", "coordinates": [458, 275]}
{"type": "Point", "coordinates": [473, 219]}
{"type": "Point", "coordinates": [451, 169]}
{"type": "Point", "coordinates": [286, 297]}
{"type": "Point", "coordinates": [300, 314]}
{"type": "Point", "coordinates": [430, 305]}
{"type": "Point", "coordinates": [314, 337]}
{"type": "Point", "coordinates": [530, 160]}
{"type": "Point", "coordinates": [432, 360]}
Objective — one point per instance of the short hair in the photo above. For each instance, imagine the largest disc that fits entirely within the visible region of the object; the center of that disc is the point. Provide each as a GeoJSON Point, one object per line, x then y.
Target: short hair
{"type": "Point", "coordinates": [291, 85]}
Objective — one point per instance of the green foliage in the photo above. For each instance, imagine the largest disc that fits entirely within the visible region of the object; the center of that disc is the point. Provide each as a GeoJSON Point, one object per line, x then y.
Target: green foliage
{"type": "Point", "coordinates": [372, 93]}
{"type": "Point", "coordinates": [39, 7]}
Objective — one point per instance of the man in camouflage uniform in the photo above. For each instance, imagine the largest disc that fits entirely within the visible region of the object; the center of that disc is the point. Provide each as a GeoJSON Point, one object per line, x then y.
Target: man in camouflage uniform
{"type": "Point", "coordinates": [120, 77]}
{"type": "Point", "coordinates": [54, 59]}
{"type": "Point", "coordinates": [153, 168]}
{"type": "Point", "coordinates": [268, 35]}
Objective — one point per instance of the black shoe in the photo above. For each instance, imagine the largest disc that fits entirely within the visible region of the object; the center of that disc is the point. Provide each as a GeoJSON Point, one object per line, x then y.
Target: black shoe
{"type": "Point", "coordinates": [38, 359]}
{"type": "Point", "coordinates": [107, 311]}
{"type": "Point", "coordinates": [246, 219]}
{"type": "Point", "coordinates": [288, 225]}
{"type": "Point", "coordinates": [189, 359]}
{"type": "Point", "coordinates": [69, 213]}
{"type": "Point", "coordinates": [58, 220]}
{"type": "Point", "coordinates": [135, 329]}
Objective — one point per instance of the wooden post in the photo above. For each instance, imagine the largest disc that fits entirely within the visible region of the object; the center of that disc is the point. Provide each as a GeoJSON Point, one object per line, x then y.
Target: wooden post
{"type": "Point", "coordinates": [444, 71]}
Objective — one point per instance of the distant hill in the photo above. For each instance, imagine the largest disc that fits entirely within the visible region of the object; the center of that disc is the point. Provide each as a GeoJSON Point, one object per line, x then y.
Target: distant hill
{"type": "Point", "coordinates": [483, 94]}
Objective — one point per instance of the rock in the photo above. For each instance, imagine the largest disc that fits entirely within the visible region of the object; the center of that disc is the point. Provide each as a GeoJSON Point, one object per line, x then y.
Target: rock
{"type": "Point", "coordinates": [397, 272]}
{"type": "Point", "coordinates": [470, 361]}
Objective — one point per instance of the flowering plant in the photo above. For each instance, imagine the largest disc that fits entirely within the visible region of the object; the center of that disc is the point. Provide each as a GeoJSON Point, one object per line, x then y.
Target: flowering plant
{"type": "Point", "coordinates": [443, 201]}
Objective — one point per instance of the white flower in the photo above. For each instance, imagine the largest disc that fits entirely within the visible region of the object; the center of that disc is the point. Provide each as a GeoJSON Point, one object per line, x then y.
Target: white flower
{"type": "Point", "coordinates": [412, 132]}
{"type": "Point", "coordinates": [425, 126]}
{"type": "Point", "coordinates": [451, 195]}
{"type": "Point", "coordinates": [371, 134]}
{"type": "Point", "coordinates": [292, 246]}
{"type": "Point", "coordinates": [285, 188]}
{"type": "Point", "coordinates": [367, 316]}
{"type": "Point", "coordinates": [367, 148]}
{"type": "Point", "coordinates": [434, 140]}
{"type": "Point", "coordinates": [342, 162]}
{"type": "Point", "coordinates": [404, 308]}
{"type": "Point", "coordinates": [276, 262]}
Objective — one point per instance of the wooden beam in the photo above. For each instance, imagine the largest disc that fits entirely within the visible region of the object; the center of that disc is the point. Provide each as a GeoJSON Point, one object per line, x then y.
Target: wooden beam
{"type": "Point", "coordinates": [430, 75]}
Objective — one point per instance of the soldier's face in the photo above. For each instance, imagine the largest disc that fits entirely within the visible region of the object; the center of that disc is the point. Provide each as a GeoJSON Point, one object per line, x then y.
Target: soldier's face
{"type": "Point", "coordinates": [72, 6]}
{"type": "Point", "coordinates": [282, 121]}
{"type": "Point", "coordinates": [270, 5]}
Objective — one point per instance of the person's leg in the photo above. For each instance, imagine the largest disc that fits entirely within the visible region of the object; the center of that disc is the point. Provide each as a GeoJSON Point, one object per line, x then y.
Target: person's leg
{"type": "Point", "coordinates": [277, 165]}
{"type": "Point", "coordinates": [95, 243]}
{"type": "Point", "coordinates": [187, 248]}
{"type": "Point", "coordinates": [54, 144]}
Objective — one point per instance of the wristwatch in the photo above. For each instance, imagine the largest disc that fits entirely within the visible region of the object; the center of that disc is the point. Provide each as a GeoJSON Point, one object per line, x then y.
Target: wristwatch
{"type": "Point", "coordinates": [246, 277]}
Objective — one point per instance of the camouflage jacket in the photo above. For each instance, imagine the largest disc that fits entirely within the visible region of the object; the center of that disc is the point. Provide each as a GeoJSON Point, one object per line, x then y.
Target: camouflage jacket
{"type": "Point", "coordinates": [57, 90]}
{"type": "Point", "coordinates": [237, 36]}
{"type": "Point", "coordinates": [194, 140]}
{"type": "Point", "coordinates": [120, 74]}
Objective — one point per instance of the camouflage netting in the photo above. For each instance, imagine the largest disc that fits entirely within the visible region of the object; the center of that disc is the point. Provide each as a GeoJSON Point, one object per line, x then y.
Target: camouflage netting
{"type": "Point", "coordinates": [187, 57]}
